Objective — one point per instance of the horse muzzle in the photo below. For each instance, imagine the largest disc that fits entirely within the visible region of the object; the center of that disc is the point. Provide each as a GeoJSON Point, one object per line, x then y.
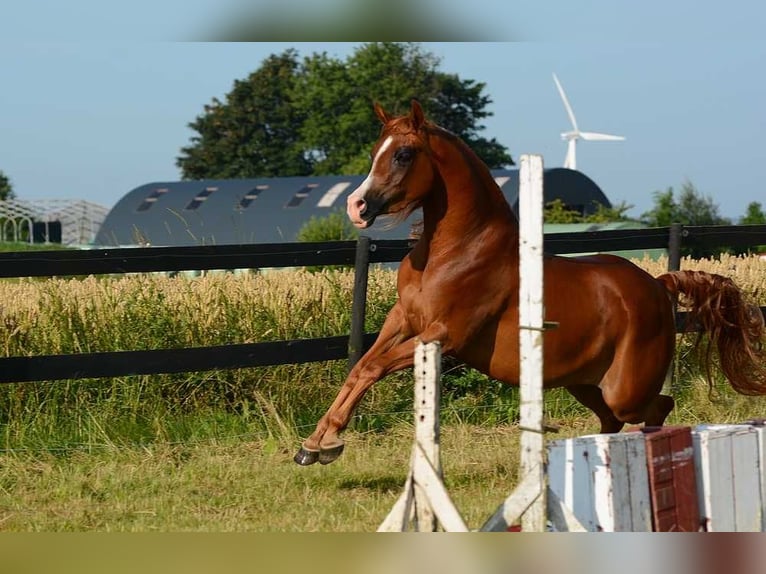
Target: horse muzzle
{"type": "Point", "coordinates": [363, 213]}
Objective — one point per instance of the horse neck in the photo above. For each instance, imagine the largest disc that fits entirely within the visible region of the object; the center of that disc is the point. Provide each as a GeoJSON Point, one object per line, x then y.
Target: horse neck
{"type": "Point", "coordinates": [466, 199]}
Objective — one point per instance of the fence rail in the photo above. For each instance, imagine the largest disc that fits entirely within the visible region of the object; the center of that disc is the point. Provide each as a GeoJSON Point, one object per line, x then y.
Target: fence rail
{"type": "Point", "coordinates": [361, 254]}
{"type": "Point", "coordinates": [158, 259]}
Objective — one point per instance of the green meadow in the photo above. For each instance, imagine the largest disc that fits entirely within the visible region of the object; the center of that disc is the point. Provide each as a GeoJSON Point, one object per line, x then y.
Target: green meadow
{"type": "Point", "coordinates": [213, 451]}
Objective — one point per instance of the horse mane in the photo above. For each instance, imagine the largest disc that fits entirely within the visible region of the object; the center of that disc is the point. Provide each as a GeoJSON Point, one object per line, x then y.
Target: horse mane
{"type": "Point", "coordinates": [478, 166]}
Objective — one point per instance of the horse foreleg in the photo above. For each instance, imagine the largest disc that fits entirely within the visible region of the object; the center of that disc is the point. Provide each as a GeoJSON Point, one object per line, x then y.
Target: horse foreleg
{"type": "Point", "coordinates": [399, 357]}
{"type": "Point", "coordinates": [323, 444]}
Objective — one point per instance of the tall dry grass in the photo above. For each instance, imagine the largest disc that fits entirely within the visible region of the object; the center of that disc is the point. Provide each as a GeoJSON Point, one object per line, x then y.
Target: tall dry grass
{"type": "Point", "coordinates": [749, 272]}
{"type": "Point", "coordinates": [155, 311]}
{"type": "Point", "coordinates": [61, 316]}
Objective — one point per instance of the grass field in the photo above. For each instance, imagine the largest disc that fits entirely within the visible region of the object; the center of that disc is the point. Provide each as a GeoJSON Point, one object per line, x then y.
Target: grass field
{"type": "Point", "coordinates": [212, 451]}
{"type": "Point", "coordinates": [246, 484]}
{"type": "Point", "coordinates": [13, 247]}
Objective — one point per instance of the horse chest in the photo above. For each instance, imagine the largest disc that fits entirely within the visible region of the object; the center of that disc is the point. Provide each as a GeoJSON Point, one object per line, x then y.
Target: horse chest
{"type": "Point", "coordinates": [417, 305]}
{"type": "Point", "coordinates": [460, 303]}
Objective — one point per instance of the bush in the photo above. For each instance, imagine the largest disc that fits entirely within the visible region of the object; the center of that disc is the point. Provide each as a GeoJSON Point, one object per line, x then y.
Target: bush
{"type": "Point", "coordinates": [333, 227]}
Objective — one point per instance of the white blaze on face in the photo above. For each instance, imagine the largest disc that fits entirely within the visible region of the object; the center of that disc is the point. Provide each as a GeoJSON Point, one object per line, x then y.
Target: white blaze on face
{"type": "Point", "coordinates": [356, 202]}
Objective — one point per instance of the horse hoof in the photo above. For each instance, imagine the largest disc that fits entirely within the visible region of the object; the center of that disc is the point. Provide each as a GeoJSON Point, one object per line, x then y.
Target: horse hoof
{"type": "Point", "coordinates": [327, 455]}
{"type": "Point", "coordinates": [305, 457]}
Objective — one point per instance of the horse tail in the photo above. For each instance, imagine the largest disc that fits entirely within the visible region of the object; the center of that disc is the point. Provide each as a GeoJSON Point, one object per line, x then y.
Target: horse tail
{"type": "Point", "coordinates": [733, 324]}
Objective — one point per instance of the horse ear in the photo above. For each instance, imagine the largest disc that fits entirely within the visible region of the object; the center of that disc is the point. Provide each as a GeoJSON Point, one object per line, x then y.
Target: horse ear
{"type": "Point", "coordinates": [381, 113]}
{"type": "Point", "coordinates": [416, 115]}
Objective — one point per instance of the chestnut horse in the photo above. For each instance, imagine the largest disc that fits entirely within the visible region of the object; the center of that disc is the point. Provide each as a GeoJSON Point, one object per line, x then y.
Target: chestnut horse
{"type": "Point", "coordinates": [459, 285]}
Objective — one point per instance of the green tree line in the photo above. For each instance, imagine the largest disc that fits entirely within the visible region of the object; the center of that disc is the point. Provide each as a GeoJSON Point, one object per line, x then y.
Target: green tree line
{"type": "Point", "coordinates": [688, 207]}
{"type": "Point", "coordinates": [313, 116]}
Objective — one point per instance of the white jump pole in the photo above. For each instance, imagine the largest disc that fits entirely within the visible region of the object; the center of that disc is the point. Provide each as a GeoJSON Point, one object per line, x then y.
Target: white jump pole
{"type": "Point", "coordinates": [424, 498]}
{"type": "Point", "coordinates": [528, 500]}
{"type": "Point", "coordinates": [531, 324]}
{"type": "Point", "coordinates": [425, 503]}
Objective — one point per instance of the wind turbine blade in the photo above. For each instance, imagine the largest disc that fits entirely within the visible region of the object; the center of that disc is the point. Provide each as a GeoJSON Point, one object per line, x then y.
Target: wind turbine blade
{"type": "Point", "coordinates": [566, 103]}
{"type": "Point", "coordinates": [593, 136]}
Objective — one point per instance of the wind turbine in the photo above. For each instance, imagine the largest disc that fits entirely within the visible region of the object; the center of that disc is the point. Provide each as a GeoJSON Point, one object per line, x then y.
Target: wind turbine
{"type": "Point", "coordinates": [572, 136]}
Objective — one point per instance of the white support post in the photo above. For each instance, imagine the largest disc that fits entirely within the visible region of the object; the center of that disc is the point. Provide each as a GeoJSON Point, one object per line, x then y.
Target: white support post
{"type": "Point", "coordinates": [528, 500]}
{"type": "Point", "coordinates": [427, 370]}
{"type": "Point", "coordinates": [424, 494]}
{"type": "Point", "coordinates": [531, 322]}
{"type": "Point", "coordinates": [424, 488]}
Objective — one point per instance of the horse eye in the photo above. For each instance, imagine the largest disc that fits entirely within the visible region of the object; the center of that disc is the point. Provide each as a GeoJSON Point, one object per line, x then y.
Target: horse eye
{"type": "Point", "coordinates": [404, 155]}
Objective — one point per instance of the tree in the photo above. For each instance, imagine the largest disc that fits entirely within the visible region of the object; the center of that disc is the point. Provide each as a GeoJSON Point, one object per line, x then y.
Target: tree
{"type": "Point", "coordinates": [336, 99]}
{"type": "Point", "coordinates": [605, 214]}
{"type": "Point", "coordinates": [315, 116]}
{"type": "Point", "coordinates": [255, 132]}
{"type": "Point", "coordinates": [754, 215]}
{"type": "Point", "coordinates": [664, 212]}
{"type": "Point", "coordinates": [325, 90]}
{"type": "Point", "coordinates": [556, 211]}
{"type": "Point", "coordinates": [459, 105]}
{"type": "Point", "coordinates": [335, 226]}
{"type": "Point", "coordinates": [692, 208]}
{"type": "Point", "coordinates": [6, 188]}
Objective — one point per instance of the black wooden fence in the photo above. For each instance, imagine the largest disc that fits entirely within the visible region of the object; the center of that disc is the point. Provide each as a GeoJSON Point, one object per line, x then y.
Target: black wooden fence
{"type": "Point", "coordinates": [361, 254]}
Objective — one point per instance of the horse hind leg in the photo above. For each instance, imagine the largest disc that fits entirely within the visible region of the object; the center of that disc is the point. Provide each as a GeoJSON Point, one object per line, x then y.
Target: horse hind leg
{"type": "Point", "coordinates": [658, 410]}
{"type": "Point", "coordinates": [631, 386]}
{"type": "Point", "coordinates": [637, 399]}
{"type": "Point", "coordinates": [591, 397]}
{"type": "Point", "coordinates": [654, 414]}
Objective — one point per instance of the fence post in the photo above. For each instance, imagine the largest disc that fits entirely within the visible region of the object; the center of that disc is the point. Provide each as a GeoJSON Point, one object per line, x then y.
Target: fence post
{"type": "Point", "coordinates": [427, 371]}
{"type": "Point", "coordinates": [359, 303]}
{"type": "Point", "coordinates": [674, 264]}
{"type": "Point", "coordinates": [674, 246]}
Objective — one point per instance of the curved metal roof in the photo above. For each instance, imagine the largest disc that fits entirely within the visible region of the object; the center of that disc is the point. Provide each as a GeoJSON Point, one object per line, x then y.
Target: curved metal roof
{"type": "Point", "coordinates": [273, 210]}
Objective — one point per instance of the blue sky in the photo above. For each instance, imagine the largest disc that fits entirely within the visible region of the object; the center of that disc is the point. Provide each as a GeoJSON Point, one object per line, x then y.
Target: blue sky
{"type": "Point", "coordinates": [93, 111]}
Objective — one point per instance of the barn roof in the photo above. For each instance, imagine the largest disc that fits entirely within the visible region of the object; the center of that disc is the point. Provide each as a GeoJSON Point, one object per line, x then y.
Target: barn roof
{"type": "Point", "coordinates": [273, 210]}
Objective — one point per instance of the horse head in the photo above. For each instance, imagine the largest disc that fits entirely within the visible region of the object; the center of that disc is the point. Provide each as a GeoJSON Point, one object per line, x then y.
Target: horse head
{"type": "Point", "coordinates": [402, 173]}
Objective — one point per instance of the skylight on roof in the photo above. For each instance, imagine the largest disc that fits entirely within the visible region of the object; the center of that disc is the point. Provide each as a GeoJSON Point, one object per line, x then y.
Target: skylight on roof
{"type": "Point", "coordinates": [201, 197]}
{"type": "Point", "coordinates": [152, 198]}
{"type": "Point", "coordinates": [301, 194]}
{"type": "Point", "coordinates": [252, 195]}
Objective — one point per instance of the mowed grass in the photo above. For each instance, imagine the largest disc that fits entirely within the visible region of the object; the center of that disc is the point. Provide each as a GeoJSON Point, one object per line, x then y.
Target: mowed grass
{"type": "Point", "coordinates": [213, 451]}
{"type": "Point", "coordinates": [244, 485]}
{"type": "Point", "coordinates": [250, 483]}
